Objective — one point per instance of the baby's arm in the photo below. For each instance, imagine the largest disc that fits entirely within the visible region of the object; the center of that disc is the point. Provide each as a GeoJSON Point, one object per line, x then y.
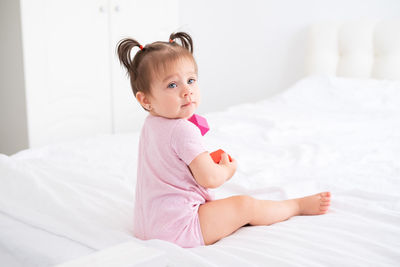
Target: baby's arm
{"type": "Point", "coordinates": [211, 175]}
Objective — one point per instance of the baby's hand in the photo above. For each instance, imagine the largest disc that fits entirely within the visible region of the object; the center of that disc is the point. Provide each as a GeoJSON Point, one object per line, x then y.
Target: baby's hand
{"type": "Point", "coordinates": [230, 165]}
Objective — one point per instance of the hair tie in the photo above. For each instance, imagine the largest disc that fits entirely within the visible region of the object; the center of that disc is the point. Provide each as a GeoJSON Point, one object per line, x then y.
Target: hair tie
{"type": "Point", "coordinates": [171, 41]}
{"type": "Point", "coordinates": [141, 47]}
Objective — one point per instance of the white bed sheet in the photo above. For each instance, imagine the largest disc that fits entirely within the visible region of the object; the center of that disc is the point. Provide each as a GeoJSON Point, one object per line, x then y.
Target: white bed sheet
{"type": "Point", "coordinates": [323, 133]}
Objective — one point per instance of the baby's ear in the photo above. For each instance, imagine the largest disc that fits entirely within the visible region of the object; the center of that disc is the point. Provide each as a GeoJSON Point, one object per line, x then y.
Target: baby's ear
{"type": "Point", "coordinates": [143, 100]}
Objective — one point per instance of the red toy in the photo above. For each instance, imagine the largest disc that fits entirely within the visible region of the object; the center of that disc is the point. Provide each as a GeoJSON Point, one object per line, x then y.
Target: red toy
{"type": "Point", "coordinates": [216, 155]}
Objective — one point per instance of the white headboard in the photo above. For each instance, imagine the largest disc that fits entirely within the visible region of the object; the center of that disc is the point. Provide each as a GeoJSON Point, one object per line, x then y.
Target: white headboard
{"type": "Point", "coordinates": [361, 49]}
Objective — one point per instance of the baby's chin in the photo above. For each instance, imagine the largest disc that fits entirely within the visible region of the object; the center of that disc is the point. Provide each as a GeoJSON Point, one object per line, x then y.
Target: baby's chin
{"type": "Point", "coordinates": [181, 113]}
{"type": "Point", "coordinates": [187, 112]}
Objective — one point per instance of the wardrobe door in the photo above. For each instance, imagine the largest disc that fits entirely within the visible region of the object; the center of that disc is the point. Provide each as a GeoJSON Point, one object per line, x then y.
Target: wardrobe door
{"type": "Point", "coordinates": [67, 73]}
{"type": "Point", "coordinates": [145, 21]}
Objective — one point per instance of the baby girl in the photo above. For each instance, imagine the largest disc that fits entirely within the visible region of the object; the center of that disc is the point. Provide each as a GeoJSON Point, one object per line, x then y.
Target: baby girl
{"type": "Point", "coordinates": [175, 170]}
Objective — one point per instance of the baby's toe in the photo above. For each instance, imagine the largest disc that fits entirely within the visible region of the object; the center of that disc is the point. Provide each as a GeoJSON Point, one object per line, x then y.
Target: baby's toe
{"type": "Point", "coordinates": [323, 208]}
{"type": "Point", "coordinates": [326, 196]}
{"type": "Point", "coordinates": [325, 200]}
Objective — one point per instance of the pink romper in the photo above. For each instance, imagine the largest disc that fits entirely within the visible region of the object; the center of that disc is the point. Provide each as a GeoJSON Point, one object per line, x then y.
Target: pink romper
{"type": "Point", "coordinates": [167, 195]}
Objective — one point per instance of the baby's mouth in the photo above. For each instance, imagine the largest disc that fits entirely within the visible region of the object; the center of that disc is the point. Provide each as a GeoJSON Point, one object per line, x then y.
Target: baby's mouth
{"type": "Point", "coordinates": [188, 104]}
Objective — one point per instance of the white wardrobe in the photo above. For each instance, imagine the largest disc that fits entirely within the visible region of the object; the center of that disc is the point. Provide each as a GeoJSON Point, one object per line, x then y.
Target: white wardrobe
{"type": "Point", "coordinates": [74, 84]}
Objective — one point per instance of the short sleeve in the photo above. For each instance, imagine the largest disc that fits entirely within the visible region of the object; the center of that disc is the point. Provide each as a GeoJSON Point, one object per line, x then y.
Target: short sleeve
{"type": "Point", "coordinates": [186, 141]}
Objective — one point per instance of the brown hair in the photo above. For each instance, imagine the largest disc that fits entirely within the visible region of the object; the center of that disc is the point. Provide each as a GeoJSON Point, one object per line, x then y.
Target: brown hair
{"type": "Point", "coordinates": [153, 58]}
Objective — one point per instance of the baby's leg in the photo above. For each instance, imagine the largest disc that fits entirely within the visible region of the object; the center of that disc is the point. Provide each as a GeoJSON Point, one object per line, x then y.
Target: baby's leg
{"type": "Point", "coordinates": [222, 217]}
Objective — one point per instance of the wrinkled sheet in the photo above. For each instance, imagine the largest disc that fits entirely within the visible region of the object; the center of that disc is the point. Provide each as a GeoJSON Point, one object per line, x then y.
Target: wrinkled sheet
{"type": "Point", "coordinates": [323, 133]}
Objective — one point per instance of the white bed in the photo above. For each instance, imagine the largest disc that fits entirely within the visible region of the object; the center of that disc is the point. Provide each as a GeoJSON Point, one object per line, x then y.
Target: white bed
{"type": "Point", "coordinates": [72, 202]}
{"type": "Point", "coordinates": [64, 201]}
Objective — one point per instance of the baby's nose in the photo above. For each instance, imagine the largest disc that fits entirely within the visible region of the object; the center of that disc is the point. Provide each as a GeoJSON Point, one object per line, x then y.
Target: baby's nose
{"type": "Point", "coordinates": [186, 91]}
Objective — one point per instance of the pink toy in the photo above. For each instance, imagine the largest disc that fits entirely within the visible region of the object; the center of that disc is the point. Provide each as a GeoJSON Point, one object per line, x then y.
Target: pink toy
{"type": "Point", "coordinates": [200, 122]}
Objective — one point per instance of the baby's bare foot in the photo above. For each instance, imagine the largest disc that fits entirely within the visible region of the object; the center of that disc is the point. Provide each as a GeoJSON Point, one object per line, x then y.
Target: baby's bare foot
{"type": "Point", "coordinates": [315, 204]}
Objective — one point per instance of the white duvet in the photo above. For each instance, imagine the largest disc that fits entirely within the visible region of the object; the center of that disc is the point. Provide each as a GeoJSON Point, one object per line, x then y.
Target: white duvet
{"type": "Point", "coordinates": [323, 133]}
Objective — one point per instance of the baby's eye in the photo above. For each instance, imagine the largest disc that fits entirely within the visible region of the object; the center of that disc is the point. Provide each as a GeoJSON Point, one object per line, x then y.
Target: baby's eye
{"type": "Point", "coordinates": [172, 85]}
{"type": "Point", "coordinates": [191, 81]}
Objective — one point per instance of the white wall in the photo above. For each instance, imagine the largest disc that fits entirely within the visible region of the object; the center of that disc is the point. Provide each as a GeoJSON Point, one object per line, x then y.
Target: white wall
{"type": "Point", "coordinates": [248, 50]}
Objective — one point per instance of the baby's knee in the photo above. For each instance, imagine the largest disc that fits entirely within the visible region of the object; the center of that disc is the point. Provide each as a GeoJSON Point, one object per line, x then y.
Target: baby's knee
{"type": "Point", "coordinates": [247, 204]}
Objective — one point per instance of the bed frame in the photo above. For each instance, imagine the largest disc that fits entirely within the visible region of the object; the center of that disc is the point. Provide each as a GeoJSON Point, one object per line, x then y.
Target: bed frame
{"type": "Point", "coordinates": [358, 49]}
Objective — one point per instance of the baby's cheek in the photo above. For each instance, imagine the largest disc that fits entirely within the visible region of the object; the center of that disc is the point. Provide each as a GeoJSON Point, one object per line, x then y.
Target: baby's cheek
{"type": "Point", "coordinates": [198, 99]}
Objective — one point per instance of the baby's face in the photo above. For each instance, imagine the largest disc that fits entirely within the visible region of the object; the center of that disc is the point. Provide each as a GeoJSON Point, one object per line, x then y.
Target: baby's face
{"type": "Point", "coordinates": [175, 94]}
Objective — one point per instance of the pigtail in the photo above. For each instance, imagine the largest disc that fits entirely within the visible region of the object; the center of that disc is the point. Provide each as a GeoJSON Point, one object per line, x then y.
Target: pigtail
{"type": "Point", "coordinates": [124, 49]}
{"type": "Point", "coordinates": [185, 39]}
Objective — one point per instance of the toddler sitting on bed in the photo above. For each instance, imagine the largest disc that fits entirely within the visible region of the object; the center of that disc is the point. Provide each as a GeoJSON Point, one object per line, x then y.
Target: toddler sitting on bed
{"type": "Point", "coordinates": [174, 168]}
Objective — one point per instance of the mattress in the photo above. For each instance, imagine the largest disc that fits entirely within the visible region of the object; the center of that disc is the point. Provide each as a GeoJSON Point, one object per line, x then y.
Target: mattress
{"type": "Point", "coordinates": [67, 200]}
